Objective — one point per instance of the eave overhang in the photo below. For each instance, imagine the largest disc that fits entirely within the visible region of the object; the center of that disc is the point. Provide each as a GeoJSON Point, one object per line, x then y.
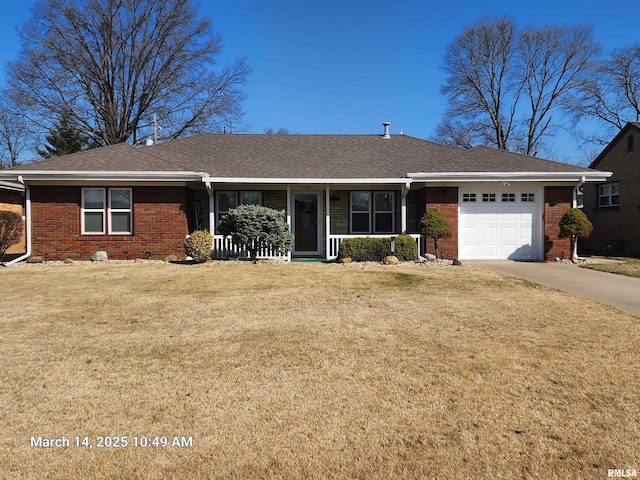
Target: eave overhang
{"type": "Point", "coordinates": [595, 176]}
{"type": "Point", "coordinates": [25, 176]}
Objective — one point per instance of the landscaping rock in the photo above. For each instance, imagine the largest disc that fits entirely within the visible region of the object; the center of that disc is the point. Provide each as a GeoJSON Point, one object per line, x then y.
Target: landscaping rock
{"type": "Point", "coordinates": [35, 260]}
{"type": "Point", "coordinates": [345, 260]}
{"type": "Point", "coordinates": [68, 260]}
{"type": "Point", "coordinates": [430, 257]}
{"type": "Point", "coordinates": [171, 258]}
{"type": "Point", "coordinates": [456, 263]}
{"type": "Point", "coordinates": [391, 260]}
{"type": "Point", "coordinates": [100, 256]}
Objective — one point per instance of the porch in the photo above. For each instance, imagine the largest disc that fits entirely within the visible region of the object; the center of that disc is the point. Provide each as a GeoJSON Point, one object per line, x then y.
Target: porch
{"type": "Point", "coordinates": [223, 247]}
{"type": "Point", "coordinates": [320, 216]}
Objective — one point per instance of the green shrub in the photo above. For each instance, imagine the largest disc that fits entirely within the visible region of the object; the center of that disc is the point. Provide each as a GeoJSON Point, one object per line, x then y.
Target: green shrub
{"type": "Point", "coordinates": [198, 246]}
{"type": "Point", "coordinates": [435, 225]}
{"type": "Point", "coordinates": [575, 224]}
{"type": "Point", "coordinates": [366, 249]}
{"type": "Point", "coordinates": [256, 227]}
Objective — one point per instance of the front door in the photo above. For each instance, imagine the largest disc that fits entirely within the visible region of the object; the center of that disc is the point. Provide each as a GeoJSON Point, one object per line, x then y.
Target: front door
{"type": "Point", "coordinates": [307, 223]}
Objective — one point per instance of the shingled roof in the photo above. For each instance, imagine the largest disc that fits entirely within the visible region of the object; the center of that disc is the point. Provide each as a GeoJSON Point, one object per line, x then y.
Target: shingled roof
{"type": "Point", "coordinates": [300, 156]}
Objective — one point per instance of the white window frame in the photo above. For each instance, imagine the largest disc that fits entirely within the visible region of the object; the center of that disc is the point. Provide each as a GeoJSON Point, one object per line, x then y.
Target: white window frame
{"type": "Point", "coordinates": [102, 210]}
{"type": "Point", "coordinates": [360, 212]}
{"type": "Point", "coordinates": [121, 210]}
{"type": "Point", "coordinates": [468, 198]}
{"type": "Point", "coordinates": [392, 211]}
{"type": "Point", "coordinates": [608, 195]}
{"type": "Point", "coordinates": [489, 197]}
{"type": "Point", "coordinates": [508, 197]}
{"type": "Point", "coordinates": [528, 197]}
{"type": "Point", "coordinates": [371, 212]}
{"type": "Point", "coordinates": [238, 195]}
{"type": "Point", "coordinates": [106, 212]}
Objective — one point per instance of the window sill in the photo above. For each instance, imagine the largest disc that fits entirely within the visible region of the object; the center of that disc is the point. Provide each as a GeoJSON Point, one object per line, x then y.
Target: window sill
{"type": "Point", "coordinates": [120, 237]}
{"type": "Point", "coordinates": [613, 208]}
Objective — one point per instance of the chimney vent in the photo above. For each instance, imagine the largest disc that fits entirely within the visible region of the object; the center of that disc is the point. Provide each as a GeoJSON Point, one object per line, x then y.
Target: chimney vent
{"type": "Point", "coordinates": [386, 129]}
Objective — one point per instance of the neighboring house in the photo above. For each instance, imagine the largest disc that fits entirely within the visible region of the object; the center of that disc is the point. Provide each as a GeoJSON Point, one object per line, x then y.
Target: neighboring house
{"type": "Point", "coordinates": [137, 202]}
{"type": "Point", "coordinates": [613, 205]}
{"type": "Point", "coordinates": [12, 200]}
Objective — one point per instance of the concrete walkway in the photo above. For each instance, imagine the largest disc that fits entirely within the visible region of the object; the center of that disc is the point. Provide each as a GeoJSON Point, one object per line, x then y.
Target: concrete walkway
{"type": "Point", "coordinates": [618, 290]}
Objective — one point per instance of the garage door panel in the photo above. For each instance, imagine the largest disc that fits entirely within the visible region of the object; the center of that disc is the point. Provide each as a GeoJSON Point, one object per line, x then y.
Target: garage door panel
{"type": "Point", "coordinates": [499, 230]}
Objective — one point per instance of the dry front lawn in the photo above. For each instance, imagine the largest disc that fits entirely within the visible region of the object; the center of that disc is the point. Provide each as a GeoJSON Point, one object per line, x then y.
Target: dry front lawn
{"type": "Point", "coordinates": [311, 371]}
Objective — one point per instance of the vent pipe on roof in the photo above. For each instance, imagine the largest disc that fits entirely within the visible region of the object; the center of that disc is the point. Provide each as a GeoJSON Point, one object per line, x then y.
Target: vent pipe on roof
{"type": "Point", "coordinates": [386, 129]}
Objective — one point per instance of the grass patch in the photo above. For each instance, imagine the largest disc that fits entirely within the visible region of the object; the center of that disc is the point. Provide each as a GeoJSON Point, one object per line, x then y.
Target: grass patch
{"type": "Point", "coordinates": [313, 371]}
{"type": "Point", "coordinates": [627, 266]}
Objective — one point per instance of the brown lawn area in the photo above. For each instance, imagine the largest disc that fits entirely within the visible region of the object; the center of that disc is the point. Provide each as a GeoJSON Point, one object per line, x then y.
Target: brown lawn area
{"type": "Point", "coordinates": [312, 371]}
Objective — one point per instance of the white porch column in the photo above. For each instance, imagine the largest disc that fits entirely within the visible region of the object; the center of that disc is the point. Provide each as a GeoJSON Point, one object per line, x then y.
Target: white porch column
{"type": "Point", "coordinates": [405, 191]}
{"type": "Point", "coordinates": [327, 222]}
{"type": "Point", "coordinates": [289, 209]}
{"type": "Point", "coordinates": [212, 210]}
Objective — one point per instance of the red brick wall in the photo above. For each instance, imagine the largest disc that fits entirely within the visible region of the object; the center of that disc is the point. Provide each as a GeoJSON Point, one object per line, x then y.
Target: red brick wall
{"type": "Point", "coordinates": [445, 199]}
{"type": "Point", "coordinates": [160, 225]}
{"type": "Point", "coordinates": [621, 222]}
{"type": "Point", "coordinates": [557, 200]}
{"type": "Point", "coordinates": [12, 201]}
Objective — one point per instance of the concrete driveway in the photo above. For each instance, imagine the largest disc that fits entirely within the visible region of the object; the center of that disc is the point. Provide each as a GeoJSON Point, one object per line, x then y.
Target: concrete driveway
{"type": "Point", "coordinates": [617, 290]}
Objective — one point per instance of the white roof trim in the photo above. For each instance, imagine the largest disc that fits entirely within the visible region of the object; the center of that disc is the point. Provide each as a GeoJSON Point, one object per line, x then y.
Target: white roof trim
{"type": "Point", "coordinates": [594, 176]}
{"type": "Point", "coordinates": [140, 176]}
{"type": "Point", "coordinates": [306, 181]}
{"type": "Point", "coordinates": [11, 186]}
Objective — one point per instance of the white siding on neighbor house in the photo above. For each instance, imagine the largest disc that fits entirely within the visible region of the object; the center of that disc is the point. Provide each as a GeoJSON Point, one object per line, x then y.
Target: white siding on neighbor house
{"type": "Point", "coordinates": [501, 224]}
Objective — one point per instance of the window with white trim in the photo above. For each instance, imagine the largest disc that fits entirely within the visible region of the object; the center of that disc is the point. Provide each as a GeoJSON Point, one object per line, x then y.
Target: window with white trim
{"type": "Point", "coordinates": [528, 197]}
{"type": "Point", "coordinates": [107, 210]}
{"type": "Point", "coordinates": [508, 197]}
{"type": "Point", "coordinates": [225, 201]}
{"type": "Point", "coordinates": [360, 212]}
{"type": "Point", "coordinates": [609, 195]}
{"type": "Point", "coordinates": [383, 212]}
{"type": "Point", "coordinates": [228, 200]}
{"type": "Point", "coordinates": [372, 212]}
{"type": "Point", "coordinates": [468, 197]}
{"type": "Point", "coordinates": [488, 197]}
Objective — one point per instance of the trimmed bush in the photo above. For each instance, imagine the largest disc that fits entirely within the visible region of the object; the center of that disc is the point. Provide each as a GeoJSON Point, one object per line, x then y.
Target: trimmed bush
{"type": "Point", "coordinates": [366, 249]}
{"type": "Point", "coordinates": [198, 246]}
{"type": "Point", "coordinates": [256, 227]}
{"type": "Point", "coordinates": [435, 225]}
{"type": "Point", "coordinates": [575, 224]}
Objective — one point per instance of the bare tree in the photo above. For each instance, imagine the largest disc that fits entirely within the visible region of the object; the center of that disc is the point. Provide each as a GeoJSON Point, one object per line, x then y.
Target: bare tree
{"type": "Point", "coordinates": [611, 95]}
{"type": "Point", "coordinates": [505, 85]}
{"type": "Point", "coordinates": [116, 63]}
{"type": "Point", "coordinates": [15, 136]}
{"type": "Point", "coordinates": [554, 64]}
{"type": "Point", "coordinates": [280, 131]}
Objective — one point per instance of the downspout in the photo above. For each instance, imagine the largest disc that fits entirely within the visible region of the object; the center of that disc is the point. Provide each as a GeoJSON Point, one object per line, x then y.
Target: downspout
{"type": "Point", "coordinates": [576, 189]}
{"type": "Point", "coordinates": [27, 220]}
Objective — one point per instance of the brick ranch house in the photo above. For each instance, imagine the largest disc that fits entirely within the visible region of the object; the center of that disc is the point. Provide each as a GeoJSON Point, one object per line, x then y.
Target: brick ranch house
{"type": "Point", "coordinates": [613, 206]}
{"type": "Point", "coordinates": [137, 202]}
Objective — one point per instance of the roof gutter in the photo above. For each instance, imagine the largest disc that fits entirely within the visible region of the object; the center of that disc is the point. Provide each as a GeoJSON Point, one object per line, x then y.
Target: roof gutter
{"type": "Point", "coordinates": [594, 176]}
{"type": "Point", "coordinates": [306, 181]}
{"type": "Point", "coordinates": [27, 220]}
{"type": "Point", "coordinates": [75, 175]}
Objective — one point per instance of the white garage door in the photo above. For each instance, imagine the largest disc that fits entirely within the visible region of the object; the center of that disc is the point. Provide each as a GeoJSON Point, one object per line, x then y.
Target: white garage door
{"type": "Point", "coordinates": [499, 225]}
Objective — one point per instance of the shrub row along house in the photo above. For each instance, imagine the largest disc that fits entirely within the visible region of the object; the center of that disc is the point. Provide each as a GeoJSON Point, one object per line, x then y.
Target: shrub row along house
{"type": "Point", "coordinates": [141, 202]}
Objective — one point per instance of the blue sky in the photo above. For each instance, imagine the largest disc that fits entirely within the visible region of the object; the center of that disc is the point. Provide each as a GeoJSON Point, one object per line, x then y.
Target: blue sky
{"type": "Point", "coordinates": [347, 66]}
